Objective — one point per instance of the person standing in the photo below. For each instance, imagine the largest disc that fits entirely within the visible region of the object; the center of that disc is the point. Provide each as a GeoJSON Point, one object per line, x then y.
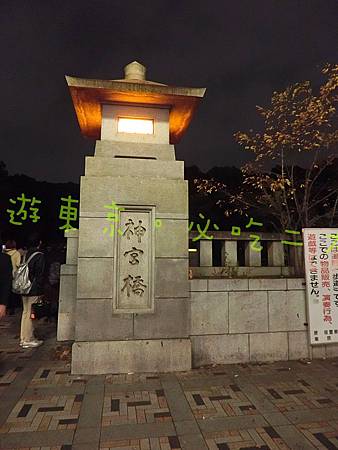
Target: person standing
{"type": "Point", "coordinates": [10, 250]}
{"type": "Point", "coordinates": [5, 282]}
{"type": "Point", "coordinates": [36, 267]}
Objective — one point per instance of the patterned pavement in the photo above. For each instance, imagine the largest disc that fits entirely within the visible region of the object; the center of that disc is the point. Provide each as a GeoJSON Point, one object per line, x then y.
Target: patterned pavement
{"type": "Point", "coordinates": [285, 405]}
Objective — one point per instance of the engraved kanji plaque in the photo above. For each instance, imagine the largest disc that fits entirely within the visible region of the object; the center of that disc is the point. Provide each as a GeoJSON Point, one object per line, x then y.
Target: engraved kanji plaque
{"type": "Point", "coordinates": [134, 261]}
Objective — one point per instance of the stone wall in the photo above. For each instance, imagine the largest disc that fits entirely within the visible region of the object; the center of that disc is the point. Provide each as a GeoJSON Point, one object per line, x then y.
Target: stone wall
{"type": "Point", "coordinates": [231, 320]}
{"type": "Point", "coordinates": [241, 320]}
{"type": "Point", "coordinates": [68, 283]}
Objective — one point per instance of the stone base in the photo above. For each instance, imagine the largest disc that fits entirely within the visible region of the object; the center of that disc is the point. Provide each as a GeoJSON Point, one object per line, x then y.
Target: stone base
{"type": "Point", "coordinates": [66, 327]}
{"type": "Point", "coordinates": [155, 355]}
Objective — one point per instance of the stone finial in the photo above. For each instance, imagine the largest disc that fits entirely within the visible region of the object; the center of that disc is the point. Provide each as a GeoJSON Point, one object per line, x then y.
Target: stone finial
{"type": "Point", "coordinates": [134, 71]}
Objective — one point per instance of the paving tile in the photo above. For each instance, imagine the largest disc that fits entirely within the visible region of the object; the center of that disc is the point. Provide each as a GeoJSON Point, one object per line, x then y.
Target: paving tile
{"type": "Point", "coordinates": [150, 385]}
{"type": "Point", "coordinates": [276, 418]}
{"type": "Point", "coordinates": [28, 413]}
{"type": "Point", "coordinates": [135, 407]}
{"type": "Point", "coordinates": [137, 431]}
{"type": "Point", "coordinates": [261, 402]}
{"type": "Point", "coordinates": [87, 436]}
{"type": "Point", "coordinates": [91, 410]}
{"type": "Point", "coordinates": [178, 405]}
{"type": "Point", "coordinates": [37, 439]}
{"type": "Point", "coordinates": [186, 427]}
{"type": "Point", "coordinates": [84, 446]}
{"type": "Point", "coordinates": [193, 442]}
{"type": "Point", "coordinates": [283, 405]}
{"type": "Point", "coordinates": [295, 439]}
{"type": "Point", "coordinates": [313, 415]}
{"type": "Point", "coordinates": [55, 390]}
{"type": "Point", "coordinates": [195, 383]}
{"type": "Point", "coordinates": [232, 423]}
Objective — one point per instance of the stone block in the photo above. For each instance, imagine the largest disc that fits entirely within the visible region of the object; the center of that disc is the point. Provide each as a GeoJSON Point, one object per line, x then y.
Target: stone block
{"type": "Point", "coordinates": [268, 346]}
{"type": "Point", "coordinates": [95, 278]}
{"type": "Point", "coordinates": [287, 271]}
{"type": "Point", "coordinates": [206, 253]}
{"type": "Point", "coordinates": [72, 233]}
{"type": "Point", "coordinates": [114, 149]}
{"type": "Point", "coordinates": [218, 285]}
{"type": "Point", "coordinates": [267, 284]}
{"type": "Point", "coordinates": [318, 351]}
{"type": "Point", "coordinates": [170, 319]}
{"type": "Point", "coordinates": [299, 347]}
{"type": "Point", "coordinates": [220, 349]}
{"type": "Point", "coordinates": [96, 166]}
{"type": "Point", "coordinates": [227, 284]}
{"type": "Point", "coordinates": [260, 271]}
{"type": "Point", "coordinates": [276, 254]}
{"type": "Point", "coordinates": [104, 357]}
{"type": "Point", "coordinates": [66, 326]}
{"type": "Point", "coordinates": [93, 242]}
{"type": "Point", "coordinates": [67, 294]}
{"type": "Point", "coordinates": [253, 258]}
{"type": "Point", "coordinates": [198, 285]}
{"type": "Point", "coordinates": [287, 310]}
{"type": "Point", "coordinates": [248, 312]}
{"type": "Point", "coordinates": [171, 277]}
{"type": "Point", "coordinates": [171, 239]}
{"type": "Point", "coordinates": [99, 191]}
{"type": "Point", "coordinates": [229, 253]}
{"type": "Point", "coordinates": [104, 325]}
{"type": "Point", "coordinates": [72, 250]}
{"type": "Point", "coordinates": [238, 284]}
{"type": "Point", "coordinates": [209, 313]}
{"type": "Point", "coordinates": [295, 284]}
{"type": "Point", "coordinates": [68, 269]}
{"type": "Point", "coordinates": [332, 351]}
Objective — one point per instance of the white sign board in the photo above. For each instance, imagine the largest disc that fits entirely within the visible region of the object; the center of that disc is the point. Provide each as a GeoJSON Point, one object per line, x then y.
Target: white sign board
{"type": "Point", "coordinates": [321, 273]}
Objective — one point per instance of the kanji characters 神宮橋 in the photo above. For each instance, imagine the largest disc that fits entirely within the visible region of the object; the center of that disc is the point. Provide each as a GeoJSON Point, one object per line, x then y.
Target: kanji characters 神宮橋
{"type": "Point", "coordinates": [133, 285]}
{"type": "Point", "coordinates": [134, 254]}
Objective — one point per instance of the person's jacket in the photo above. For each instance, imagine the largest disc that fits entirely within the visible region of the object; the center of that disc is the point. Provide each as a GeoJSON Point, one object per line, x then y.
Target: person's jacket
{"type": "Point", "coordinates": [36, 267]}
{"type": "Point", "coordinates": [5, 278]}
{"type": "Point", "coordinates": [15, 258]}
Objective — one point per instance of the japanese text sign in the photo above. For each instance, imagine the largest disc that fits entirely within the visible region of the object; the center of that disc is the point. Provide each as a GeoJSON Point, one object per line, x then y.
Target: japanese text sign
{"type": "Point", "coordinates": [321, 273]}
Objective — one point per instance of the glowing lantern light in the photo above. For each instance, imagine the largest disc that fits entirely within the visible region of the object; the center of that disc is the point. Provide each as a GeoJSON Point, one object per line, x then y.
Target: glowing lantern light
{"type": "Point", "coordinates": [132, 125]}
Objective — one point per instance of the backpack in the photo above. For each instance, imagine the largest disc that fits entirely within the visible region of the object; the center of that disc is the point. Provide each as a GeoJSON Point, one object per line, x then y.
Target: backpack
{"type": "Point", "coordinates": [21, 283]}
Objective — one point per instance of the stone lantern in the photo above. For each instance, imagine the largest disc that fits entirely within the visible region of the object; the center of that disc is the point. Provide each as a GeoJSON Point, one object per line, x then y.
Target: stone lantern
{"type": "Point", "coordinates": [124, 294]}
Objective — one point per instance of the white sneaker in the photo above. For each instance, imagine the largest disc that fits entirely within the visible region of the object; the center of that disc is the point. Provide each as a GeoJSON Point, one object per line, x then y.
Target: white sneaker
{"type": "Point", "coordinates": [32, 344]}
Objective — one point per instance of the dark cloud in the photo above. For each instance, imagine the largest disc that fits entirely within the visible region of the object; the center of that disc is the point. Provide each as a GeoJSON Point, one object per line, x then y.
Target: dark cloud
{"type": "Point", "coordinates": [240, 50]}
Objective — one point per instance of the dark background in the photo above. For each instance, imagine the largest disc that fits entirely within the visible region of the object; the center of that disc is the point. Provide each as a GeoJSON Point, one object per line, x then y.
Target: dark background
{"type": "Point", "coordinates": [240, 50]}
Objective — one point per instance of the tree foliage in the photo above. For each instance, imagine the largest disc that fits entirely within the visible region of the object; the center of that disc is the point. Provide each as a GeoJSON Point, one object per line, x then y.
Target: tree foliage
{"type": "Point", "coordinates": [298, 124]}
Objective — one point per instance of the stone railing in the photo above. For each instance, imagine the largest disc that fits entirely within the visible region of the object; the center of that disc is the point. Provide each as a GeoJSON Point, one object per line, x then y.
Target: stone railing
{"type": "Point", "coordinates": [234, 256]}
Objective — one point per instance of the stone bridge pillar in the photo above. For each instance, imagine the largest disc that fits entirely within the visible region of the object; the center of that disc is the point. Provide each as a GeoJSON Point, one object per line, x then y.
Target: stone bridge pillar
{"type": "Point", "coordinates": [132, 296]}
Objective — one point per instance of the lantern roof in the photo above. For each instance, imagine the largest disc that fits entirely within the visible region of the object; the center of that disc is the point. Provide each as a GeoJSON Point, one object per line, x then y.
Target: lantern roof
{"type": "Point", "coordinates": [88, 95]}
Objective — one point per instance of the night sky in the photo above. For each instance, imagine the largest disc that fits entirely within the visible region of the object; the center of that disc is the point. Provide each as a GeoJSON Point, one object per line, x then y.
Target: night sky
{"type": "Point", "coordinates": [241, 51]}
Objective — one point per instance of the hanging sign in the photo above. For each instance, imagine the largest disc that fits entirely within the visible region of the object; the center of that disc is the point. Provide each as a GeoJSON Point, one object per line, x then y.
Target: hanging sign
{"type": "Point", "coordinates": [321, 274]}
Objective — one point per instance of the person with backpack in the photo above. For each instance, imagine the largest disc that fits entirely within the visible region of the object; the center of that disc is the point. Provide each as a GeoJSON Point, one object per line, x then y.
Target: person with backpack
{"type": "Point", "coordinates": [35, 262]}
{"type": "Point", "coordinates": [5, 282]}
